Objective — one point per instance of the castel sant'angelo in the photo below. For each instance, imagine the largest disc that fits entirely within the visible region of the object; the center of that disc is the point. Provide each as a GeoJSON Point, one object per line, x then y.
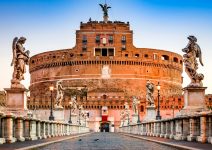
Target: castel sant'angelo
{"type": "Point", "coordinates": [105, 61]}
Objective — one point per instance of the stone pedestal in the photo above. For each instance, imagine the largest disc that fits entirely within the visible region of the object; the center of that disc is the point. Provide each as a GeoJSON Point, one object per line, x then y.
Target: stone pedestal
{"type": "Point", "coordinates": [74, 119]}
{"type": "Point", "coordinates": [193, 101]}
{"type": "Point", "coordinates": [59, 115]}
{"type": "Point", "coordinates": [125, 122]}
{"type": "Point", "coordinates": [150, 114]}
{"type": "Point", "coordinates": [134, 118]}
{"type": "Point", "coordinates": [16, 100]}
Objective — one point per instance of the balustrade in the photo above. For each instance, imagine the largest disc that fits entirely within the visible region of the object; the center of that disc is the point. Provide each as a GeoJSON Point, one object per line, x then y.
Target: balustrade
{"type": "Point", "coordinates": [18, 128]}
{"type": "Point", "coordinates": [191, 128]}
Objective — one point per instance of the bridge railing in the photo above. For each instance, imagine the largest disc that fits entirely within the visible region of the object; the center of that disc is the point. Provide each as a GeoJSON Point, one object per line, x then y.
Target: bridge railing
{"type": "Point", "coordinates": [18, 128]}
{"type": "Point", "coordinates": [191, 128]}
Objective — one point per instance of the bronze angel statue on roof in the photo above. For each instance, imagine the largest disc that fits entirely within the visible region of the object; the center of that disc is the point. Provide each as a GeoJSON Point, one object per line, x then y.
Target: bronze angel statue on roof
{"type": "Point", "coordinates": [105, 9]}
{"type": "Point", "coordinates": [193, 52]}
{"type": "Point", "coordinates": [19, 61]}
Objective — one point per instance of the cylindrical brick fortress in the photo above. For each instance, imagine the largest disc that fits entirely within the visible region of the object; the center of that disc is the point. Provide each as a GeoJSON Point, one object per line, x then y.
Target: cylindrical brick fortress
{"type": "Point", "coordinates": [119, 71]}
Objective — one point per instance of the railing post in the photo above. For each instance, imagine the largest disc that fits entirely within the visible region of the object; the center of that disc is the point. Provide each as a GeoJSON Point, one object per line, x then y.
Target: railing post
{"type": "Point", "coordinates": [193, 129]}
{"type": "Point", "coordinates": [48, 133]}
{"type": "Point", "coordinates": [2, 140]}
{"type": "Point", "coordinates": [210, 128]}
{"type": "Point", "coordinates": [203, 129]}
{"type": "Point", "coordinates": [38, 129]}
{"type": "Point", "coordinates": [162, 127]}
{"type": "Point", "coordinates": [19, 129]}
{"type": "Point", "coordinates": [155, 129]}
{"type": "Point", "coordinates": [172, 129]}
{"type": "Point", "coordinates": [43, 130]}
{"type": "Point", "coordinates": [158, 129]}
{"type": "Point", "coordinates": [167, 131]}
{"type": "Point", "coordinates": [8, 132]}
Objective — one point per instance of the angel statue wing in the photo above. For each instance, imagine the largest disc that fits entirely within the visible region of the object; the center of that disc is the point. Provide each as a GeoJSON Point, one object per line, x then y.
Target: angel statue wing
{"type": "Point", "coordinates": [101, 6]}
{"type": "Point", "coordinates": [199, 54]}
{"type": "Point", "coordinates": [108, 7]}
{"type": "Point", "coordinates": [14, 50]}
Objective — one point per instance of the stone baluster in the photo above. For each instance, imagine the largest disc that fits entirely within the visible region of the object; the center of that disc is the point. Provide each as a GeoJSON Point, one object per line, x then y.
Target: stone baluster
{"type": "Point", "coordinates": [38, 129]}
{"type": "Point", "coordinates": [33, 129]}
{"type": "Point", "coordinates": [203, 129]}
{"type": "Point", "coordinates": [8, 126]}
{"type": "Point", "coordinates": [193, 126]}
{"type": "Point", "coordinates": [155, 129]}
{"type": "Point", "coordinates": [172, 129]}
{"type": "Point", "coordinates": [43, 129]}
{"type": "Point", "coordinates": [152, 129]}
{"type": "Point", "coordinates": [210, 128]}
{"type": "Point", "coordinates": [178, 129]}
{"type": "Point", "coordinates": [168, 129]}
{"type": "Point", "coordinates": [48, 134]}
{"type": "Point", "coordinates": [68, 129]}
{"type": "Point", "coordinates": [19, 129]}
{"type": "Point", "coordinates": [163, 129]}
{"type": "Point", "coordinates": [2, 140]}
{"type": "Point", "coordinates": [182, 129]}
{"type": "Point", "coordinates": [59, 129]}
{"type": "Point", "coordinates": [158, 129]}
{"type": "Point", "coordinates": [52, 130]}
{"type": "Point", "coordinates": [55, 129]}
{"type": "Point", "coordinates": [139, 129]}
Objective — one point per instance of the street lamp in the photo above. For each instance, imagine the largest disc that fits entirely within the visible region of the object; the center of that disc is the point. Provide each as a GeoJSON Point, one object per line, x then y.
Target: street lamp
{"type": "Point", "coordinates": [158, 117]}
{"type": "Point", "coordinates": [51, 117]}
{"type": "Point", "coordinates": [70, 103]}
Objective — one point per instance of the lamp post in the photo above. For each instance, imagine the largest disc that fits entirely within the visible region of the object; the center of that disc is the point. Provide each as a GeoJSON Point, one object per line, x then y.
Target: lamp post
{"type": "Point", "coordinates": [51, 117]}
{"type": "Point", "coordinates": [70, 122]}
{"type": "Point", "coordinates": [158, 117]}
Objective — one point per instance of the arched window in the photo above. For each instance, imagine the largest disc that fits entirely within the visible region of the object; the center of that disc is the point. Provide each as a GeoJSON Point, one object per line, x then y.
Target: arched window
{"type": "Point", "coordinates": [175, 59]}
{"type": "Point", "coordinates": [165, 57]}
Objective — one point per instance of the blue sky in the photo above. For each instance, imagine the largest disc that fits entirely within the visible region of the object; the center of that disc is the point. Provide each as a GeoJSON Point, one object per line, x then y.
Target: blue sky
{"type": "Point", "coordinates": [51, 25]}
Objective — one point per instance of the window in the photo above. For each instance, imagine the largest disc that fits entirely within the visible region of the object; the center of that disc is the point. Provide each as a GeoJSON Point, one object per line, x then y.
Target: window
{"type": "Point", "coordinates": [164, 57]}
{"type": "Point", "coordinates": [84, 39]}
{"type": "Point", "coordinates": [104, 96]}
{"type": "Point", "coordinates": [136, 55]}
{"type": "Point", "coordinates": [155, 56]}
{"type": "Point", "coordinates": [123, 47]}
{"type": "Point", "coordinates": [110, 40]}
{"type": "Point", "coordinates": [175, 59]}
{"type": "Point", "coordinates": [97, 52]}
{"type": "Point", "coordinates": [111, 52]}
{"type": "Point", "coordinates": [146, 56]}
{"type": "Point", "coordinates": [123, 39]}
{"type": "Point", "coordinates": [104, 52]}
{"type": "Point", "coordinates": [126, 55]}
{"type": "Point", "coordinates": [84, 47]}
{"type": "Point", "coordinates": [98, 39]}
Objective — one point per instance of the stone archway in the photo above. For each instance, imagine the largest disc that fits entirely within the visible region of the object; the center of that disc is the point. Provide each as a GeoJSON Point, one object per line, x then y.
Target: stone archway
{"type": "Point", "coordinates": [105, 127]}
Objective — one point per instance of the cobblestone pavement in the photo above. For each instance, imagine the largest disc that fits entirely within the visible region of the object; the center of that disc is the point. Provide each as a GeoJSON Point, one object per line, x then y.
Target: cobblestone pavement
{"type": "Point", "coordinates": [105, 141]}
{"type": "Point", "coordinates": [195, 145]}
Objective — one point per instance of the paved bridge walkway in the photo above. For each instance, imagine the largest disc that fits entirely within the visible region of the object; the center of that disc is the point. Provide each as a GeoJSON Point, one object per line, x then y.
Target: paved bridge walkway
{"type": "Point", "coordinates": [104, 141]}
